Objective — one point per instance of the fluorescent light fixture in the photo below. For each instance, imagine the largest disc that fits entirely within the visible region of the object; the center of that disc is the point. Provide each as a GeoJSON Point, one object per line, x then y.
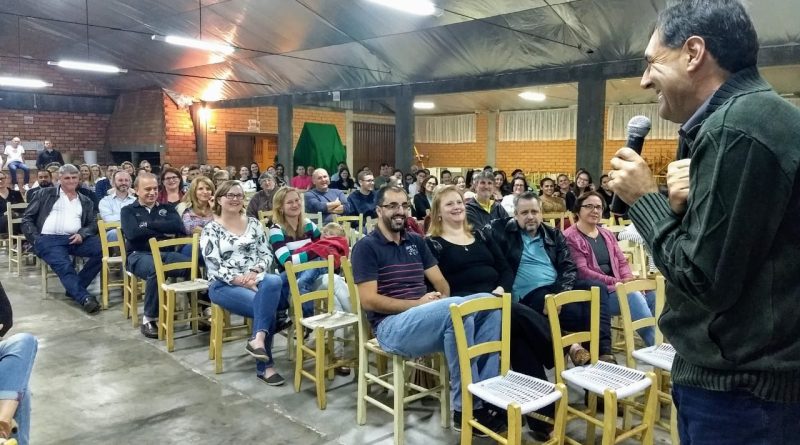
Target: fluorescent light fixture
{"type": "Point", "coordinates": [87, 66]}
{"type": "Point", "coordinates": [530, 95]}
{"type": "Point", "coordinates": [222, 48]}
{"type": "Point", "coordinates": [424, 105]}
{"type": "Point", "coordinates": [23, 82]}
{"type": "Point", "coordinates": [416, 7]}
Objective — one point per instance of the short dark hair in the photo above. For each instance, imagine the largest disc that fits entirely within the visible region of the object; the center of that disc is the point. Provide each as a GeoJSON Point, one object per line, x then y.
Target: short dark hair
{"type": "Point", "coordinates": [385, 164]}
{"type": "Point", "coordinates": [383, 190]}
{"type": "Point", "coordinates": [445, 171]}
{"type": "Point", "coordinates": [724, 25]}
{"type": "Point", "coordinates": [363, 174]}
{"type": "Point", "coordinates": [576, 209]}
{"type": "Point", "coordinates": [526, 196]}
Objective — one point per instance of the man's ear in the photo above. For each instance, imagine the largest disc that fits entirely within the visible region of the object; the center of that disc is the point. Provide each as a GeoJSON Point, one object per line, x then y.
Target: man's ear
{"type": "Point", "coordinates": [695, 52]}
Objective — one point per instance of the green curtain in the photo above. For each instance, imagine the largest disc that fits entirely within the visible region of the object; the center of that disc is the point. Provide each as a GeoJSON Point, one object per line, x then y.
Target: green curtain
{"type": "Point", "coordinates": [319, 145]}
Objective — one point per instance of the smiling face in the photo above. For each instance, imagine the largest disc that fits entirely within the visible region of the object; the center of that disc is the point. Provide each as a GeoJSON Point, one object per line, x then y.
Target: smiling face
{"type": "Point", "coordinates": [548, 187]}
{"type": "Point", "coordinates": [484, 189]}
{"type": "Point", "coordinates": [244, 173]}
{"type": "Point", "coordinates": [563, 183]}
{"type": "Point", "coordinates": [232, 200]}
{"type": "Point", "coordinates": [591, 211]}
{"type": "Point", "coordinates": [451, 208]}
{"type": "Point", "coordinates": [582, 181]}
{"type": "Point", "coordinates": [519, 186]}
{"type": "Point", "coordinates": [430, 184]}
{"type": "Point", "coordinates": [666, 74]}
{"type": "Point", "coordinates": [147, 190]}
{"type": "Point", "coordinates": [321, 180]}
{"type": "Point", "coordinates": [122, 182]}
{"type": "Point", "coordinates": [392, 211]}
{"type": "Point", "coordinates": [203, 193]}
{"type": "Point", "coordinates": [461, 184]}
{"type": "Point", "coordinates": [292, 206]}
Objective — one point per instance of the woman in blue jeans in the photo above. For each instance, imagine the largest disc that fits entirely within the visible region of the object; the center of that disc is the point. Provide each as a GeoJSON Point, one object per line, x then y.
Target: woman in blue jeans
{"type": "Point", "coordinates": [599, 257]}
{"type": "Point", "coordinates": [17, 354]}
{"type": "Point", "coordinates": [238, 262]}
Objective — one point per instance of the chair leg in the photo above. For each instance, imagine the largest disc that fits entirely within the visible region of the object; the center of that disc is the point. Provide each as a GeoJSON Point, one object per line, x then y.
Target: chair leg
{"type": "Point", "coordinates": [134, 301]}
{"type": "Point", "coordinates": [320, 360]}
{"type": "Point", "coordinates": [363, 368]}
{"type": "Point", "coordinates": [329, 354]}
{"type": "Point", "coordinates": [609, 418]}
{"type": "Point", "coordinates": [194, 312]}
{"type": "Point", "coordinates": [652, 410]}
{"type": "Point", "coordinates": [399, 383]}
{"type": "Point", "coordinates": [299, 357]}
{"type": "Point", "coordinates": [217, 332]}
{"type": "Point", "coordinates": [444, 395]}
{"type": "Point", "coordinates": [169, 322]}
{"type": "Point", "coordinates": [514, 436]}
{"type": "Point", "coordinates": [104, 286]}
{"type": "Point", "coordinates": [560, 419]}
{"type": "Point", "coordinates": [590, 428]}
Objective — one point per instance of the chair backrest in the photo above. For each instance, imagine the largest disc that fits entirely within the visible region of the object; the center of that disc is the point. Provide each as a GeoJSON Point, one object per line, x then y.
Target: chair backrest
{"type": "Point", "coordinates": [553, 303]}
{"type": "Point", "coordinates": [316, 218]}
{"type": "Point", "coordinates": [156, 247]}
{"type": "Point", "coordinates": [557, 220]}
{"type": "Point", "coordinates": [102, 228]}
{"type": "Point", "coordinates": [502, 346]}
{"type": "Point", "coordinates": [629, 326]}
{"type": "Point", "coordinates": [349, 220]}
{"type": "Point", "coordinates": [11, 211]}
{"type": "Point", "coordinates": [370, 224]}
{"type": "Point", "coordinates": [324, 297]}
{"type": "Point", "coordinates": [364, 330]}
{"type": "Point", "coordinates": [265, 216]}
{"type": "Point", "coordinates": [638, 257]}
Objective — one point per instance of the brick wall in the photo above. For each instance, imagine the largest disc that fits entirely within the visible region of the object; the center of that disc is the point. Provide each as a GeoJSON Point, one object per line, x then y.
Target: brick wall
{"type": "Point", "coordinates": [180, 145]}
{"type": "Point", "coordinates": [71, 133]}
{"type": "Point", "coordinates": [138, 120]}
{"type": "Point", "coordinates": [64, 81]}
{"type": "Point", "coordinates": [469, 154]}
{"type": "Point", "coordinates": [541, 156]}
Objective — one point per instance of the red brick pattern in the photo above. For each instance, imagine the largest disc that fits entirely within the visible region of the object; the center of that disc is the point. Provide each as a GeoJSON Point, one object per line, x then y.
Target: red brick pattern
{"type": "Point", "coordinates": [138, 119]}
{"type": "Point", "coordinates": [180, 145]}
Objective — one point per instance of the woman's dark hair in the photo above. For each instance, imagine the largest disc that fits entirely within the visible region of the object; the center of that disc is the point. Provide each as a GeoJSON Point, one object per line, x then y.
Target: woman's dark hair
{"type": "Point", "coordinates": [468, 178]}
{"type": "Point", "coordinates": [524, 184]}
{"type": "Point", "coordinates": [576, 209]}
{"type": "Point", "coordinates": [164, 172]}
{"type": "Point", "coordinates": [724, 25]}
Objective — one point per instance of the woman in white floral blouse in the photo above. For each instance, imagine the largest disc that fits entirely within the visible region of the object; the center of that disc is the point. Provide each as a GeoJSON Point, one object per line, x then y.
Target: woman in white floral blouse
{"type": "Point", "coordinates": [238, 260]}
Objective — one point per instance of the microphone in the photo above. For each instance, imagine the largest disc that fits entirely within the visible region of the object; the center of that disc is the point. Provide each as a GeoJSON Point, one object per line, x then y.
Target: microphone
{"type": "Point", "coordinates": [638, 127]}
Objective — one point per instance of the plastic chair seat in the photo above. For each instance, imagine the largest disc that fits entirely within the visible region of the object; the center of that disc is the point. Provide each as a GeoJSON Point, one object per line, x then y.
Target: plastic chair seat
{"type": "Point", "coordinates": [660, 356]}
{"type": "Point", "coordinates": [186, 286]}
{"type": "Point", "coordinates": [528, 392]}
{"type": "Point", "coordinates": [601, 376]}
{"type": "Point", "coordinates": [334, 320]}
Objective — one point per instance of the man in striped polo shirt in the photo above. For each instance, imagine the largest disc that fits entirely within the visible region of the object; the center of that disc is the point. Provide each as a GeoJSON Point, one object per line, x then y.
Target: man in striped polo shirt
{"type": "Point", "coordinates": [390, 266]}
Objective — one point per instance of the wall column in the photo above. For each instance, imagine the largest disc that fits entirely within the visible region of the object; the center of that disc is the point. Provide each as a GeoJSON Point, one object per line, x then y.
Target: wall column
{"type": "Point", "coordinates": [590, 132]}
{"type": "Point", "coordinates": [404, 130]}
{"type": "Point", "coordinates": [285, 135]}
{"type": "Point", "coordinates": [491, 138]}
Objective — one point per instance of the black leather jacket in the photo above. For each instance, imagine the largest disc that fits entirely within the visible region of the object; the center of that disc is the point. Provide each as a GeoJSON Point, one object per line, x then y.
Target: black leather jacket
{"type": "Point", "coordinates": [39, 208]}
{"type": "Point", "coordinates": [506, 233]}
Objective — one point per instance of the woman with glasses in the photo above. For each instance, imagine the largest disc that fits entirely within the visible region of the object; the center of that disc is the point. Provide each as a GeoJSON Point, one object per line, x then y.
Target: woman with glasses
{"type": "Point", "coordinates": [7, 196]}
{"type": "Point", "coordinates": [238, 263]}
{"type": "Point", "coordinates": [424, 197]}
{"type": "Point", "coordinates": [599, 258]}
{"type": "Point", "coordinates": [518, 186]}
{"type": "Point", "coordinates": [170, 190]}
{"type": "Point", "coordinates": [263, 199]}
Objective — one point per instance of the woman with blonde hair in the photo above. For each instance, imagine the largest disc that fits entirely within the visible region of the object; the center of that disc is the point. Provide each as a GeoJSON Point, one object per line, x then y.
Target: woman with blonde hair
{"type": "Point", "coordinates": [195, 207]}
{"type": "Point", "coordinates": [86, 178]}
{"type": "Point", "coordinates": [238, 262]}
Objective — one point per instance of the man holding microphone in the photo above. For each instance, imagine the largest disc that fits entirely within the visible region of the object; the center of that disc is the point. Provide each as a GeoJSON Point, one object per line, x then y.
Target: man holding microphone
{"type": "Point", "coordinates": [728, 248]}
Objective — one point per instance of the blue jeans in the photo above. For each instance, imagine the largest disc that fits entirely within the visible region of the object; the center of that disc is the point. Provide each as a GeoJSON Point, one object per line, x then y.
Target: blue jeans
{"type": "Point", "coordinates": [16, 361]}
{"type": "Point", "coordinates": [305, 281]}
{"type": "Point", "coordinates": [428, 328]}
{"type": "Point", "coordinates": [12, 171]}
{"type": "Point", "coordinates": [141, 264]}
{"type": "Point", "coordinates": [261, 306]}
{"type": "Point", "coordinates": [55, 250]}
{"type": "Point", "coordinates": [733, 417]}
{"type": "Point", "coordinates": [642, 306]}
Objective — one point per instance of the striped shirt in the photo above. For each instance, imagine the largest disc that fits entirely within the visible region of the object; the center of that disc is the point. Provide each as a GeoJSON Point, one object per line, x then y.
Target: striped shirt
{"type": "Point", "coordinates": [284, 245]}
{"type": "Point", "coordinates": [399, 269]}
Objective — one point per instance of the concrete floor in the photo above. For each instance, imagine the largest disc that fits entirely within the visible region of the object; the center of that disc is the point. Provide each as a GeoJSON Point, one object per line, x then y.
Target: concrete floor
{"type": "Point", "coordinates": [99, 381]}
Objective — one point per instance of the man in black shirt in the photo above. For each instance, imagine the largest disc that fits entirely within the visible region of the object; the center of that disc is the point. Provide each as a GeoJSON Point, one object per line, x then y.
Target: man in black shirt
{"type": "Point", "coordinates": [142, 220]}
{"type": "Point", "coordinates": [48, 156]}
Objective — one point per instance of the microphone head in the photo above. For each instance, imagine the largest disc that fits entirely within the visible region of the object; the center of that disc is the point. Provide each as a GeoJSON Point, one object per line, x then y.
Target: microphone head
{"type": "Point", "coordinates": [639, 126]}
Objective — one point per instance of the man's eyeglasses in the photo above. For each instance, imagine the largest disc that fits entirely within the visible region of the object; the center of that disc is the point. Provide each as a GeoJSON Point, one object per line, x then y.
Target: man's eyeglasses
{"type": "Point", "coordinates": [234, 196]}
{"type": "Point", "coordinates": [591, 207]}
{"type": "Point", "coordinates": [395, 206]}
{"type": "Point", "coordinates": [171, 178]}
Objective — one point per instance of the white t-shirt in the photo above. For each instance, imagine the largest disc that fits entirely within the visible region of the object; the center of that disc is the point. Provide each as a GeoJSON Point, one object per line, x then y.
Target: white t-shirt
{"type": "Point", "coordinates": [65, 217]}
{"type": "Point", "coordinates": [14, 154]}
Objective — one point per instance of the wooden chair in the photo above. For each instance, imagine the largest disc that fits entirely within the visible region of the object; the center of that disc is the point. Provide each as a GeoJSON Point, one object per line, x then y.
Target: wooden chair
{"type": "Point", "coordinates": [322, 324]}
{"type": "Point", "coordinates": [15, 240]}
{"type": "Point", "coordinates": [167, 292]}
{"type": "Point", "coordinates": [132, 288]}
{"type": "Point", "coordinates": [265, 216]}
{"type": "Point", "coordinates": [557, 220]}
{"type": "Point", "coordinates": [613, 382]}
{"type": "Point", "coordinates": [404, 392]}
{"type": "Point", "coordinates": [350, 221]}
{"type": "Point", "coordinates": [111, 261]}
{"type": "Point", "coordinates": [370, 224]}
{"type": "Point", "coordinates": [317, 219]}
{"type": "Point", "coordinates": [517, 394]}
{"type": "Point", "coordinates": [222, 330]}
{"type": "Point", "coordinates": [659, 356]}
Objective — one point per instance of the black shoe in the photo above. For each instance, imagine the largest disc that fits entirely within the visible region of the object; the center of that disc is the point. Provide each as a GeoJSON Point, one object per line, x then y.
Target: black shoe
{"type": "Point", "coordinates": [539, 430]}
{"type": "Point", "coordinates": [90, 305]}
{"type": "Point", "coordinates": [150, 329]}
{"type": "Point", "coordinates": [282, 323]}
{"type": "Point", "coordinates": [273, 380]}
{"type": "Point", "coordinates": [494, 422]}
{"type": "Point", "coordinates": [260, 354]}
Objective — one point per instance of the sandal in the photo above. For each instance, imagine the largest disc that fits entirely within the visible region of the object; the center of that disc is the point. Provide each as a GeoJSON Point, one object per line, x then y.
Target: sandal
{"type": "Point", "coordinates": [579, 355]}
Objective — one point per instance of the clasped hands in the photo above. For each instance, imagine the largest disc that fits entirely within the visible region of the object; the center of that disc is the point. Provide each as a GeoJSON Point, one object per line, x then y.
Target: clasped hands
{"type": "Point", "coordinates": [631, 178]}
{"type": "Point", "coordinates": [247, 280]}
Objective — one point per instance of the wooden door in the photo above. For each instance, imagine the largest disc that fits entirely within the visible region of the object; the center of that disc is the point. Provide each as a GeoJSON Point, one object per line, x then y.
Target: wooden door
{"type": "Point", "coordinates": [373, 144]}
{"type": "Point", "coordinates": [266, 151]}
{"type": "Point", "coordinates": [239, 149]}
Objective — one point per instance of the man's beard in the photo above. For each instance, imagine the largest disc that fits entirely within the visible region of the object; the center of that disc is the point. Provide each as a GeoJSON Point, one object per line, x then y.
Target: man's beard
{"type": "Point", "coordinates": [45, 183]}
{"type": "Point", "coordinates": [395, 225]}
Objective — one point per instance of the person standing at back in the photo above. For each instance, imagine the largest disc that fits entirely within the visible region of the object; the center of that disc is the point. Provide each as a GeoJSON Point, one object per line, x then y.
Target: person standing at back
{"type": "Point", "coordinates": [728, 251]}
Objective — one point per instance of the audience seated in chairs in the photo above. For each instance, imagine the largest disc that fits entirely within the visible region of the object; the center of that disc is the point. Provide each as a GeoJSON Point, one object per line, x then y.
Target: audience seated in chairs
{"type": "Point", "coordinates": [424, 197]}
{"type": "Point", "coordinates": [170, 190]}
{"type": "Point", "coordinates": [17, 354]}
{"type": "Point", "coordinates": [323, 199]}
{"type": "Point", "coordinates": [111, 205]}
{"type": "Point", "coordinates": [390, 266]}
{"type": "Point", "coordinates": [550, 201]}
{"type": "Point", "coordinates": [362, 200]}
{"type": "Point", "coordinates": [102, 187]}
{"type": "Point", "coordinates": [541, 261]}
{"type": "Point", "coordinates": [565, 190]}
{"type": "Point", "coordinates": [484, 208]}
{"type": "Point", "coordinates": [144, 219]}
{"type": "Point", "coordinates": [518, 186]}
{"type": "Point", "coordinates": [599, 258]}
{"type": "Point", "coordinates": [7, 195]}
{"type": "Point", "coordinates": [263, 199]}
{"type": "Point", "coordinates": [472, 263]}
{"type": "Point", "coordinates": [60, 222]}
{"type": "Point", "coordinates": [44, 179]}
{"type": "Point", "coordinates": [239, 266]}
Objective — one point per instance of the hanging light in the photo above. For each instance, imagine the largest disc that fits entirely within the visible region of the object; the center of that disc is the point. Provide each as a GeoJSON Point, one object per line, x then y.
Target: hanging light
{"type": "Point", "coordinates": [222, 48]}
{"type": "Point", "coordinates": [87, 66]}
{"type": "Point", "coordinates": [23, 82]}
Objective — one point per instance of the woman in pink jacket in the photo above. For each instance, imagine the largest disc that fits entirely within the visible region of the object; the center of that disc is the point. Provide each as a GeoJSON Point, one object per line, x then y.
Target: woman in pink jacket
{"type": "Point", "coordinates": [598, 256]}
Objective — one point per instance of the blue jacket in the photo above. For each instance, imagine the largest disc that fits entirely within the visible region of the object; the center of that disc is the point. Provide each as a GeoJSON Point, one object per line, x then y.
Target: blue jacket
{"type": "Point", "coordinates": [317, 201]}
